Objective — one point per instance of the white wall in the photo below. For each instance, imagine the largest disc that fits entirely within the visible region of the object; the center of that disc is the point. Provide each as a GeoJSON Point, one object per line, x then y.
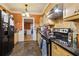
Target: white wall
{"type": "Point", "coordinates": [34, 30]}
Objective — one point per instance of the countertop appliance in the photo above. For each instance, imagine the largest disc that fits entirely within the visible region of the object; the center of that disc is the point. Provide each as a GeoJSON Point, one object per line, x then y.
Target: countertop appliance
{"type": "Point", "coordinates": [63, 35]}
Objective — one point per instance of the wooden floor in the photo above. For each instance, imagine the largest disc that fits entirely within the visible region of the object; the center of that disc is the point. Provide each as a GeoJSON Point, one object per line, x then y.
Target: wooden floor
{"type": "Point", "coordinates": [27, 48]}
{"type": "Point", "coordinates": [27, 38]}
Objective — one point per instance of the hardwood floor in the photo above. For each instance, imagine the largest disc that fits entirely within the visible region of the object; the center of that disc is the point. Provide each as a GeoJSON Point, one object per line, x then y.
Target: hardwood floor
{"type": "Point", "coordinates": [27, 38]}
{"type": "Point", "coordinates": [27, 48]}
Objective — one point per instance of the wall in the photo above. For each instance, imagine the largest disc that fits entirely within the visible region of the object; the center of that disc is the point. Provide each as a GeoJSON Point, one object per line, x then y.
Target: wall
{"type": "Point", "coordinates": [60, 23]}
{"type": "Point", "coordinates": [37, 19]}
{"type": "Point", "coordinates": [17, 20]}
{"type": "Point", "coordinates": [77, 24]}
{"type": "Point", "coordinates": [74, 25]}
{"type": "Point", "coordinates": [18, 27]}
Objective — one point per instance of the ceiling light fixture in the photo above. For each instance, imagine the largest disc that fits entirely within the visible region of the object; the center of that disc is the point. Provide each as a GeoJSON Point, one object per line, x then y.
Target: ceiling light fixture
{"type": "Point", "coordinates": [26, 14]}
{"type": "Point", "coordinates": [23, 14]}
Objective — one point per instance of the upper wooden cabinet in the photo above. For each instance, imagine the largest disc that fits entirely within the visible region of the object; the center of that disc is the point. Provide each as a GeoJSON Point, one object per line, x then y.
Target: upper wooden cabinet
{"type": "Point", "coordinates": [70, 11]}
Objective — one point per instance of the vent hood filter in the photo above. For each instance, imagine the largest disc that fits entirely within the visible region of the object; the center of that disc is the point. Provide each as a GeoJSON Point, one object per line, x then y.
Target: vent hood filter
{"type": "Point", "coordinates": [54, 15]}
{"type": "Point", "coordinates": [56, 12]}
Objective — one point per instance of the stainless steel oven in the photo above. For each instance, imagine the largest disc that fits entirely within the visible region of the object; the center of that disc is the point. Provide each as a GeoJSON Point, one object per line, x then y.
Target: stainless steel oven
{"type": "Point", "coordinates": [64, 35]}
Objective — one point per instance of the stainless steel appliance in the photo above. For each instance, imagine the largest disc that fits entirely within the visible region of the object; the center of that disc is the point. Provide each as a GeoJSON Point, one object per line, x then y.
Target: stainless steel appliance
{"type": "Point", "coordinates": [64, 35]}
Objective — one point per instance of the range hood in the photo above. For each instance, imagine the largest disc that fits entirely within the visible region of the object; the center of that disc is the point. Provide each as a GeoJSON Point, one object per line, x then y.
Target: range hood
{"type": "Point", "coordinates": [56, 12]}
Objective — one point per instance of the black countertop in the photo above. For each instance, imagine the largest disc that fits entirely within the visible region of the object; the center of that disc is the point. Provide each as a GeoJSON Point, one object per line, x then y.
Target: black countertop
{"type": "Point", "coordinates": [72, 50]}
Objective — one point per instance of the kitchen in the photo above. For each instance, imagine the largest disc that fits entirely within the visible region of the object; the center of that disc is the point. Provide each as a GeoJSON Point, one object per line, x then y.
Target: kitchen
{"type": "Point", "coordinates": [55, 29]}
{"type": "Point", "coordinates": [65, 25]}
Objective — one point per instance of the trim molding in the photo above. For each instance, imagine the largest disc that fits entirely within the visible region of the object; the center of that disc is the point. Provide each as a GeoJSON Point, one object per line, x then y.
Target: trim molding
{"type": "Point", "coordinates": [45, 8]}
{"type": "Point", "coordinates": [6, 8]}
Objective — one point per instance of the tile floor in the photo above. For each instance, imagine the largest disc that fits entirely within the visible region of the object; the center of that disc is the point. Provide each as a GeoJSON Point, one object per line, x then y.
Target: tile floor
{"type": "Point", "coordinates": [29, 48]}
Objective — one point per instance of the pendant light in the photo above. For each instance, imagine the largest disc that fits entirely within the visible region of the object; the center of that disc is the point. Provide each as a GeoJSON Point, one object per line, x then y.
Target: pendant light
{"type": "Point", "coordinates": [26, 14]}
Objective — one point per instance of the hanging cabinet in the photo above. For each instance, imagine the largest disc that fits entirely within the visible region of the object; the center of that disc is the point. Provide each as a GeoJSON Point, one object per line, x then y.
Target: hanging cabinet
{"type": "Point", "coordinates": [70, 11]}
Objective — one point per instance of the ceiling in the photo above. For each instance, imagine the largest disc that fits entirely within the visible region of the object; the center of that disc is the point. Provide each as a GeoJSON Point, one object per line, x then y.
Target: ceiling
{"type": "Point", "coordinates": [32, 7]}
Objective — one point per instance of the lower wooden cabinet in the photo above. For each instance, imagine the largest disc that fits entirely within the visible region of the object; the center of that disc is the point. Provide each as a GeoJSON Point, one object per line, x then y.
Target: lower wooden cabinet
{"type": "Point", "coordinates": [58, 51]}
{"type": "Point", "coordinates": [48, 49]}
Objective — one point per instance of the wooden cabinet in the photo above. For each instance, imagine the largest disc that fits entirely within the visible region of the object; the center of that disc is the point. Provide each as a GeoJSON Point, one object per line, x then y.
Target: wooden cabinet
{"type": "Point", "coordinates": [70, 11]}
{"type": "Point", "coordinates": [58, 51]}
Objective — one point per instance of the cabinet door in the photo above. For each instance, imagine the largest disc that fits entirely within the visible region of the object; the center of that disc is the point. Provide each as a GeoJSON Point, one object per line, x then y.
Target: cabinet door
{"type": "Point", "coordinates": [63, 52]}
{"type": "Point", "coordinates": [55, 51]}
{"type": "Point", "coordinates": [58, 51]}
{"type": "Point", "coordinates": [69, 10]}
{"type": "Point", "coordinates": [77, 8]}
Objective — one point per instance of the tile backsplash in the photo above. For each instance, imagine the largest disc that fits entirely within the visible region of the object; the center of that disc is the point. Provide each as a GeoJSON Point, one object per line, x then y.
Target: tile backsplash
{"type": "Point", "coordinates": [67, 24]}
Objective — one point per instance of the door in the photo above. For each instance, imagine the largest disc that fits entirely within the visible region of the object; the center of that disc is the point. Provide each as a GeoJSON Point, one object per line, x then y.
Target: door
{"type": "Point", "coordinates": [28, 29]}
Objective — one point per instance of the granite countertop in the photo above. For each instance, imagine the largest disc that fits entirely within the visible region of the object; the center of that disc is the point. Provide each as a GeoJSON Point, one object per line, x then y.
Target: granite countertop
{"type": "Point", "coordinates": [72, 50]}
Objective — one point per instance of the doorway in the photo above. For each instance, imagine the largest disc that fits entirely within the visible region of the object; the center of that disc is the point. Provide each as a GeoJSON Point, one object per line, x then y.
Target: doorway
{"type": "Point", "coordinates": [28, 23]}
